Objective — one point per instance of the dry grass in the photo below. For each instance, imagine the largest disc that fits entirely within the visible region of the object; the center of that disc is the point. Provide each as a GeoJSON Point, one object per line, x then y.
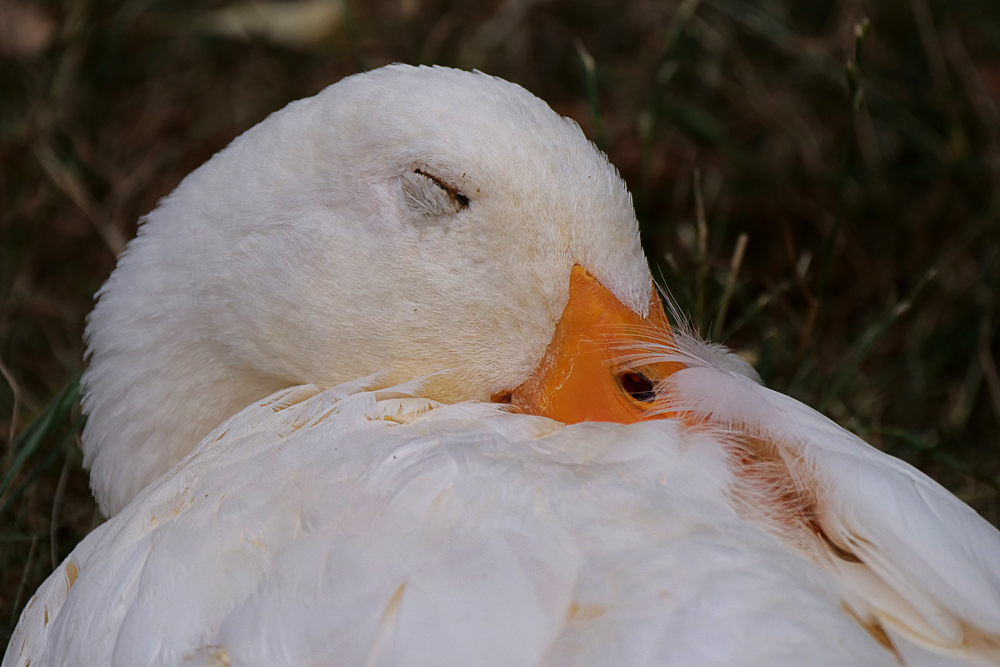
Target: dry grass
{"type": "Point", "coordinates": [896, 339]}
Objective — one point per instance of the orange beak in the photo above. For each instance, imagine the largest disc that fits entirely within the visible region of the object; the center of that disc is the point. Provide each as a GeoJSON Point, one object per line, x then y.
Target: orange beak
{"type": "Point", "coordinates": [585, 374]}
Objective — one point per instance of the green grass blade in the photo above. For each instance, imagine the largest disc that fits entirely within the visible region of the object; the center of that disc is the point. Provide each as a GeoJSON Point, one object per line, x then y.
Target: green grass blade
{"type": "Point", "coordinates": [588, 70]}
{"type": "Point", "coordinates": [855, 96]}
{"type": "Point", "coordinates": [40, 468]}
{"type": "Point", "coordinates": [28, 442]}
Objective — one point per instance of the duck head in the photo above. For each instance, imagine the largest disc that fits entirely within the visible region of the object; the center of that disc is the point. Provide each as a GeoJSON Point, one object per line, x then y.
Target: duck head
{"type": "Point", "coordinates": [408, 220]}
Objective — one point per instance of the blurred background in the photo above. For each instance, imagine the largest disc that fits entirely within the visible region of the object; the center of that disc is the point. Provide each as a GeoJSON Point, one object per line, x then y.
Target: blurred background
{"type": "Point", "coordinates": [831, 217]}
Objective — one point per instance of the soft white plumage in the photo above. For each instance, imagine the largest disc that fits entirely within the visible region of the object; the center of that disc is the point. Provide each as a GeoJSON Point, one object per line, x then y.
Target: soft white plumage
{"type": "Point", "coordinates": [278, 261]}
{"type": "Point", "coordinates": [367, 524]}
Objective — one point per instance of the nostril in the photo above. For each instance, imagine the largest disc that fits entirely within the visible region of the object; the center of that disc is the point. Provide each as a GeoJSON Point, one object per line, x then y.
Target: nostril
{"type": "Point", "coordinates": [502, 397]}
{"type": "Point", "coordinates": [638, 386]}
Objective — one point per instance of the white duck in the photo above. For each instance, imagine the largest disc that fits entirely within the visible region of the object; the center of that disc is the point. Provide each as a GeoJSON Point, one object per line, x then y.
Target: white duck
{"type": "Point", "coordinates": [276, 500]}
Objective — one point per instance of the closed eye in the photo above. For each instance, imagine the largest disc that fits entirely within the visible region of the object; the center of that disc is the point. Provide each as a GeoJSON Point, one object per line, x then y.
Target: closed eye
{"type": "Point", "coordinates": [450, 190]}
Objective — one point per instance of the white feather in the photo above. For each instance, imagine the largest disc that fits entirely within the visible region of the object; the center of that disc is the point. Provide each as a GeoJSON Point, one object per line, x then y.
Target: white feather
{"type": "Point", "coordinates": [298, 255]}
{"type": "Point", "coordinates": [929, 564]}
{"type": "Point", "coordinates": [467, 536]}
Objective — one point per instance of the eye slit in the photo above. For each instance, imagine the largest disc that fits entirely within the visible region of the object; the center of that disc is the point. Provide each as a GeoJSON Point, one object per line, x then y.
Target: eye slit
{"type": "Point", "coordinates": [638, 386]}
{"type": "Point", "coordinates": [453, 192]}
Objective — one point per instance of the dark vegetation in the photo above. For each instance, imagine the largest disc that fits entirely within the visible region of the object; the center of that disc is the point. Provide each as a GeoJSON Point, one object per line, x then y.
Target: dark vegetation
{"type": "Point", "coordinates": [848, 245]}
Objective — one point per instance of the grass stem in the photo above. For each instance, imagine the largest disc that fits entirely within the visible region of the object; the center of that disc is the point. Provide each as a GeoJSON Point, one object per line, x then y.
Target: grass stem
{"type": "Point", "coordinates": [20, 586]}
{"type": "Point", "coordinates": [856, 95]}
{"type": "Point", "coordinates": [989, 365]}
{"type": "Point", "coordinates": [701, 253]}
{"type": "Point", "coordinates": [727, 295]}
{"type": "Point", "coordinates": [15, 389]}
{"type": "Point", "coordinates": [56, 503]}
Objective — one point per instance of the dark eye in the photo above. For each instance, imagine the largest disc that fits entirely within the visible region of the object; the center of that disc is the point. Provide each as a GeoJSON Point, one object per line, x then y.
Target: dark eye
{"type": "Point", "coordinates": [638, 386]}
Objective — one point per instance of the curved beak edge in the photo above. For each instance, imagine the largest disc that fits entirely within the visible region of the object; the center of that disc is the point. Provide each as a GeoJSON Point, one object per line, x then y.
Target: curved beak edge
{"type": "Point", "coordinates": [580, 378]}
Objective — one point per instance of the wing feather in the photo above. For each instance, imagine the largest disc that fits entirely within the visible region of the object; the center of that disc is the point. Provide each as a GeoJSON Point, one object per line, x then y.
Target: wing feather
{"type": "Point", "coordinates": [930, 563]}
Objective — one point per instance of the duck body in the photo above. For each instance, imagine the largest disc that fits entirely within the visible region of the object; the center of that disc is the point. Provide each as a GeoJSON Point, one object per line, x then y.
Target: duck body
{"type": "Point", "coordinates": [293, 425]}
{"type": "Point", "coordinates": [358, 527]}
